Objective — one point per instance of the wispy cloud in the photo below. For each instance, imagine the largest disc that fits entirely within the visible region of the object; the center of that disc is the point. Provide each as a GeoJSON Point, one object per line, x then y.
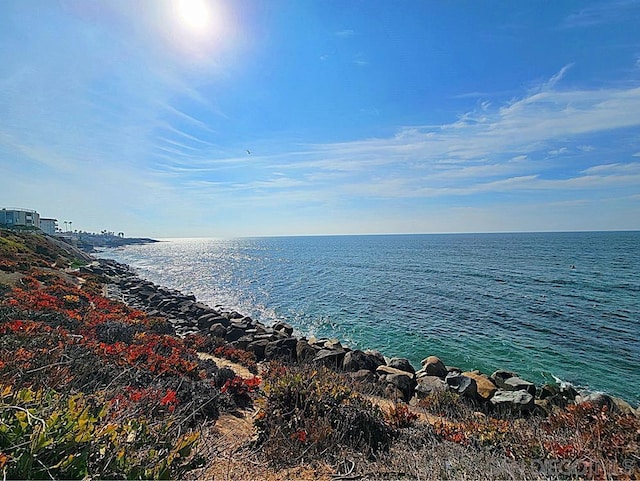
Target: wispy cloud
{"type": "Point", "coordinates": [602, 13]}
{"type": "Point", "coordinates": [345, 33]}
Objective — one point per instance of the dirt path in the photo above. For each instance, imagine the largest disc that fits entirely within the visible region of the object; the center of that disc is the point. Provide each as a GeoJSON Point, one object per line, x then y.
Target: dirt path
{"type": "Point", "coordinates": [240, 370]}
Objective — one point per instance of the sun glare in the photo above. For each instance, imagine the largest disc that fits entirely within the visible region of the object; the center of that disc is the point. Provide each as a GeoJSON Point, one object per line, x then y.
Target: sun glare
{"type": "Point", "coordinates": [194, 14]}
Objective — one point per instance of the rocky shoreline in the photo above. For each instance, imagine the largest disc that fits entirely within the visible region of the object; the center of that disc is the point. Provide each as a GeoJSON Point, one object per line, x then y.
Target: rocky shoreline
{"type": "Point", "coordinates": [501, 392]}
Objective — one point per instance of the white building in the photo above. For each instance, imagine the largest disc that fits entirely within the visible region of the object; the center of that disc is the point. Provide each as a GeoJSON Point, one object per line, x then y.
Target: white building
{"type": "Point", "coordinates": [11, 217]}
{"type": "Point", "coordinates": [48, 226]}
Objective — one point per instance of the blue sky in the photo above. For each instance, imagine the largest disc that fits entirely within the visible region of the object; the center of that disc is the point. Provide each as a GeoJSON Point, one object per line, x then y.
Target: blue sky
{"type": "Point", "coordinates": [359, 116]}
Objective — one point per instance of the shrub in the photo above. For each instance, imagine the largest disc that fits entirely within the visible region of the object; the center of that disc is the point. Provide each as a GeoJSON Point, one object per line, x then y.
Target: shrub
{"type": "Point", "coordinates": [601, 442]}
{"type": "Point", "coordinates": [44, 435]}
{"type": "Point", "coordinates": [312, 413]}
{"type": "Point", "coordinates": [445, 404]}
{"type": "Point", "coordinates": [400, 416]}
{"type": "Point", "coordinates": [245, 358]}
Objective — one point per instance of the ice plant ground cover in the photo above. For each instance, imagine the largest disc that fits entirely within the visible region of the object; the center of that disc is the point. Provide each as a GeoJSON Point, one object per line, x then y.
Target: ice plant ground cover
{"type": "Point", "coordinates": [92, 388]}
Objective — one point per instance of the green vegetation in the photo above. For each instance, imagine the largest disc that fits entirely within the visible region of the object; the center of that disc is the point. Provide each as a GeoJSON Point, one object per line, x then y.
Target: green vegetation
{"type": "Point", "coordinates": [46, 435]}
{"type": "Point", "coordinates": [311, 413]}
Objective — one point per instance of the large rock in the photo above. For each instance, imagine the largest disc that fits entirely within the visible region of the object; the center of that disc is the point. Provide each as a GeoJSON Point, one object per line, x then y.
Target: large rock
{"type": "Point", "coordinates": [207, 320]}
{"type": "Point", "coordinates": [283, 327]}
{"type": "Point", "coordinates": [428, 385]}
{"type": "Point", "coordinates": [331, 358]}
{"type": "Point", "coordinates": [357, 360]}
{"type": "Point", "coordinates": [234, 333]}
{"type": "Point", "coordinates": [486, 387]}
{"type": "Point", "coordinates": [243, 342]}
{"type": "Point", "coordinates": [305, 352]}
{"type": "Point", "coordinates": [401, 380]}
{"type": "Point", "coordinates": [599, 399]}
{"type": "Point", "coordinates": [363, 376]}
{"type": "Point", "coordinates": [282, 349]}
{"type": "Point", "coordinates": [257, 347]}
{"type": "Point", "coordinates": [462, 385]}
{"type": "Point", "coordinates": [512, 401]}
{"type": "Point", "coordinates": [333, 345]}
{"type": "Point", "coordinates": [218, 330]}
{"type": "Point", "coordinates": [433, 366]}
{"type": "Point", "coordinates": [554, 395]}
{"type": "Point", "coordinates": [517, 384]}
{"type": "Point", "coordinates": [379, 357]}
{"type": "Point", "coordinates": [500, 376]}
{"type": "Point", "coordinates": [622, 406]}
{"type": "Point", "coordinates": [402, 364]}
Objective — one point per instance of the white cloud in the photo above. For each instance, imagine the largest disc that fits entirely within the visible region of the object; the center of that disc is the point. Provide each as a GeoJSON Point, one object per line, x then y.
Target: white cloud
{"type": "Point", "coordinates": [561, 150]}
{"type": "Point", "coordinates": [611, 11]}
{"type": "Point", "coordinates": [345, 33]}
{"type": "Point", "coordinates": [556, 78]}
{"type": "Point", "coordinates": [586, 148]}
{"type": "Point", "coordinates": [614, 169]}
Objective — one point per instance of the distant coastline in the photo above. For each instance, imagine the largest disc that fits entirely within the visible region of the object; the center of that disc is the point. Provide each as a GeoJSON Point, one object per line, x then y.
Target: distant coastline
{"type": "Point", "coordinates": [91, 243]}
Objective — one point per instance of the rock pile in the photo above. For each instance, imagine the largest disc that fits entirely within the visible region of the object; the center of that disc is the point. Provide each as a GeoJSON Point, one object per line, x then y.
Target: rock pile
{"type": "Point", "coordinates": [503, 391]}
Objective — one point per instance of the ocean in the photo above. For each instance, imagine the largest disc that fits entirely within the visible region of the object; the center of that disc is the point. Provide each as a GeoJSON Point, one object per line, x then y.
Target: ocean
{"type": "Point", "coordinates": [549, 306]}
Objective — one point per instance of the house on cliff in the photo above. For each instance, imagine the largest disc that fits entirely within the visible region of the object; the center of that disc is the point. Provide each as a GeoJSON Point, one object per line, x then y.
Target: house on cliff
{"type": "Point", "coordinates": [16, 217]}
{"type": "Point", "coordinates": [48, 226]}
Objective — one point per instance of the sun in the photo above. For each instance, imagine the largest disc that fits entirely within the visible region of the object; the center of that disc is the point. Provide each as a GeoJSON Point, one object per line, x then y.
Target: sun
{"type": "Point", "coordinates": [195, 15]}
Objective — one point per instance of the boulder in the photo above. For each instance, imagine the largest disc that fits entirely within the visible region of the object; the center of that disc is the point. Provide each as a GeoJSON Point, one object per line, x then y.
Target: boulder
{"type": "Point", "coordinates": [363, 375]}
{"type": "Point", "coordinates": [243, 342]}
{"type": "Point", "coordinates": [553, 395]}
{"type": "Point", "coordinates": [304, 351]}
{"type": "Point", "coordinates": [218, 330]}
{"type": "Point", "coordinates": [564, 391]}
{"type": "Point", "coordinates": [500, 376]}
{"type": "Point", "coordinates": [257, 347]}
{"type": "Point", "coordinates": [185, 306]}
{"type": "Point", "coordinates": [333, 344]}
{"type": "Point", "coordinates": [401, 380]}
{"type": "Point", "coordinates": [378, 357]}
{"type": "Point", "coordinates": [234, 333]}
{"type": "Point", "coordinates": [357, 360]}
{"type": "Point", "coordinates": [462, 385]}
{"type": "Point", "coordinates": [622, 406]}
{"type": "Point", "coordinates": [331, 358]}
{"type": "Point", "coordinates": [202, 307]}
{"type": "Point", "coordinates": [516, 384]}
{"type": "Point", "coordinates": [240, 324]}
{"type": "Point", "coordinates": [486, 387]}
{"type": "Point", "coordinates": [207, 320]}
{"type": "Point", "coordinates": [433, 366]}
{"type": "Point", "coordinates": [429, 384]}
{"type": "Point", "coordinates": [282, 349]}
{"type": "Point", "coordinates": [391, 391]}
{"type": "Point", "coordinates": [402, 364]}
{"type": "Point", "coordinates": [597, 398]}
{"type": "Point", "coordinates": [283, 327]}
{"type": "Point", "coordinates": [512, 401]}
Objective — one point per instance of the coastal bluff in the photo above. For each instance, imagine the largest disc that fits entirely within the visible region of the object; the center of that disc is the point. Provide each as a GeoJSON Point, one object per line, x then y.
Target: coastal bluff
{"type": "Point", "coordinates": [105, 375]}
{"type": "Point", "coordinates": [501, 392]}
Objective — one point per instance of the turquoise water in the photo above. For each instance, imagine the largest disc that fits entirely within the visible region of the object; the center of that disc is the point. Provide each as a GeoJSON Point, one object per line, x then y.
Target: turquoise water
{"type": "Point", "coordinates": [545, 305]}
